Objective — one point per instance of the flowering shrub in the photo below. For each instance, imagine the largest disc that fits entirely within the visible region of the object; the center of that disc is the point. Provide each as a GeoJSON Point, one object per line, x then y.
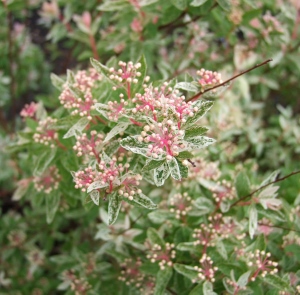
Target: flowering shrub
{"type": "Point", "coordinates": [157, 173]}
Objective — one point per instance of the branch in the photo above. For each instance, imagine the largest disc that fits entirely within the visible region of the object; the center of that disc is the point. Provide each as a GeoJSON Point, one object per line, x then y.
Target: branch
{"type": "Point", "coordinates": [263, 186]}
{"type": "Point", "coordinates": [197, 95]}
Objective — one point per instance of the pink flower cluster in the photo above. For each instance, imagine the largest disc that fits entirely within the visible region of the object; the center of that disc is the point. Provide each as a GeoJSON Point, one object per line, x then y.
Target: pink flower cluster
{"type": "Point", "coordinates": [84, 178]}
{"type": "Point", "coordinates": [29, 110]}
{"type": "Point", "coordinates": [131, 275]}
{"type": "Point", "coordinates": [48, 181]}
{"type": "Point", "coordinates": [158, 101]}
{"type": "Point", "coordinates": [163, 139]}
{"type": "Point", "coordinates": [180, 205]}
{"type": "Point", "coordinates": [83, 102]}
{"type": "Point", "coordinates": [260, 261]}
{"type": "Point", "coordinates": [127, 73]}
{"type": "Point", "coordinates": [45, 134]}
{"type": "Point", "coordinates": [85, 146]}
{"type": "Point", "coordinates": [164, 257]}
{"type": "Point", "coordinates": [207, 270]}
{"type": "Point", "coordinates": [208, 79]}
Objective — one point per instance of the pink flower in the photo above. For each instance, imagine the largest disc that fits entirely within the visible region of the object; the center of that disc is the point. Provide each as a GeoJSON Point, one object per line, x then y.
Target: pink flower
{"type": "Point", "coordinates": [136, 25]}
{"type": "Point", "coordinates": [29, 110]}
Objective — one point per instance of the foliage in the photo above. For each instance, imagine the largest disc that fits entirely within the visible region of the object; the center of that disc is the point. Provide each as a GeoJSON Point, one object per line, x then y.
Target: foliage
{"type": "Point", "coordinates": [150, 176]}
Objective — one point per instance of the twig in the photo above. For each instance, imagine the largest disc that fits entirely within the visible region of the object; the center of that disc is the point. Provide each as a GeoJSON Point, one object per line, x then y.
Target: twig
{"type": "Point", "coordinates": [197, 95]}
{"type": "Point", "coordinates": [263, 186]}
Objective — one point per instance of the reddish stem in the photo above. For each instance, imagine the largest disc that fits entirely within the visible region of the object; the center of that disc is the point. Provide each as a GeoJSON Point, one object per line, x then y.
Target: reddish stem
{"type": "Point", "coordinates": [197, 95]}
{"type": "Point", "coordinates": [94, 47]}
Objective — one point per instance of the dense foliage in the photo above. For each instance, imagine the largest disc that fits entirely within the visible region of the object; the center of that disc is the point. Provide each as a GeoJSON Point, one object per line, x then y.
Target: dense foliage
{"type": "Point", "coordinates": [164, 162]}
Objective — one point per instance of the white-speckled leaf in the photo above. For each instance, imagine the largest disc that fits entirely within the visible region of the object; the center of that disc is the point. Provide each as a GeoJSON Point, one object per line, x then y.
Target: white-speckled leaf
{"type": "Point", "coordinates": [77, 128]}
{"type": "Point", "coordinates": [114, 205]}
{"type": "Point", "coordinates": [174, 169]}
{"type": "Point", "coordinates": [95, 196]}
{"type": "Point", "coordinates": [119, 128]}
{"type": "Point", "coordinates": [161, 174]}
{"type": "Point", "coordinates": [198, 142]}
{"type": "Point", "coordinates": [144, 201]}
{"type": "Point", "coordinates": [96, 185]}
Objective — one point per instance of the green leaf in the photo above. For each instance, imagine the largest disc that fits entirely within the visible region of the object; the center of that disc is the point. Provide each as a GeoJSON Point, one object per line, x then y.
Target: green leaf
{"type": "Point", "coordinates": [243, 279]}
{"type": "Point", "coordinates": [185, 155]}
{"type": "Point", "coordinates": [44, 161]}
{"type": "Point", "coordinates": [186, 246]}
{"type": "Point", "coordinates": [186, 86]}
{"type": "Point", "coordinates": [187, 271]}
{"type": "Point", "coordinates": [179, 4]}
{"type": "Point", "coordinates": [277, 282]}
{"type": "Point", "coordinates": [252, 221]}
{"type": "Point", "coordinates": [52, 203]}
{"type": "Point", "coordinates": [152, 164]}
{"type": "Point", "coordinates": [109, 5]}
{"type": "Point", "coordinates": [225, 4]}
{"type": "Point", "coordinates": [203, 107]}
{"type": "Point", "coordinates": [195, 131]}
{"type": "Point", "coordinates": [162, 279]}
{"type": "Point", "coordinates": [242, 185]}
{"type": "Point", "coordinates": [114, 205]}
{"type": "Point", "coordinates": [203, 206]}
{"type": "Point", "coordinates": [143, 201]}
{"type": "Point", "coordinates": [197, 3]}
{"type": "Point", "coordinates": [160, 216]}
{"type": "Point", "coordinates": [65, 123]}
{"type": "Point", "coordinates": [221, 249]}
{"type": "Point", "coordinates": [155, 238]}
{"type": "Point", "coordinates": [197, 290]}
{"type": "Point", "coordinates": [161, 174]}
{"type": "Point", "coordinates": [208, 288]}
{"type": "Point", "coordinates": [57, 81]}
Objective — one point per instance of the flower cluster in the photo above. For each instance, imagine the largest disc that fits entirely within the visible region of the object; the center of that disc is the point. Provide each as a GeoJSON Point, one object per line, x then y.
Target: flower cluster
{"type": "Point", "coordinates": [208, 79]}
{"type": "Point", "coordinates": [207, 270]}
{"type": "Point", "coordinates": [260, 261]}
{"type": "Point", "coordinates": [131, 275]}
{"type": "Point", "coordinates": [85, 146]}
{"type": "Point", "coordinates": [84, 178]}
{"type": "Point", "coordinates": [78, 285]}
{"type": "Point", "coordinates": [180, 205]}
{"type": "Point", "coordinates": [223, 191]}
{"type": "Point", "coordinates": [16, 237]}
{"type": "Point", "coordinates": [158, 101]}
{"type": "Point", "coordinates": [29, 110]}
{"type": "Point", "coordinates": [163, 139]}
{"type": "Point", "coordinates": [48, 181]}
{"type": "Point", "coordinates": [129, 186]}
{"type": "Point", "coordinates": [164, 256]}
{"type": "Point", "coordinates": [127, 73]}
{"type": "Point", "coordinates": [78, 94]}
{"type": "Point", "coordinates": [45, 134]}
{"type": "Point", "coordinates": [205, 170]}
